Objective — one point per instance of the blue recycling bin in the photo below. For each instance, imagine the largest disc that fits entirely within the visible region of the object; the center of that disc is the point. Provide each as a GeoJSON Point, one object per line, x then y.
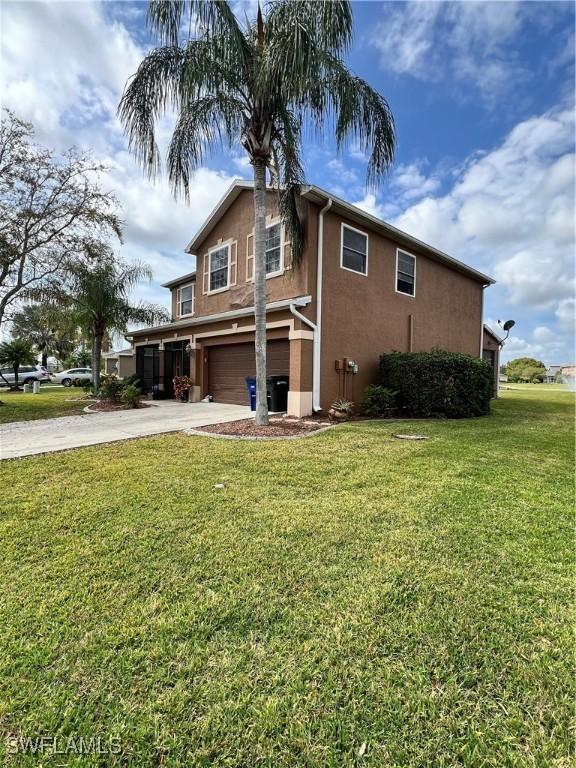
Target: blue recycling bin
{"type": "Point", "coordinates": [251, 387]}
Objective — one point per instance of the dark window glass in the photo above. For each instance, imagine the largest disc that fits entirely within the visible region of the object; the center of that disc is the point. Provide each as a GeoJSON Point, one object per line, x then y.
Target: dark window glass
{"type": "Point", "coordinates": [354, 250]}
{"type": "Point", "coordinates": [406, 271]}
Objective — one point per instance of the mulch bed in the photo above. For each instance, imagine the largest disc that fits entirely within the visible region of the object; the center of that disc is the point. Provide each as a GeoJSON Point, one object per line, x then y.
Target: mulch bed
{"type": "Point", "coordinates": [99, 406]}
{"type": "Point", "coordinates": [277, 428]}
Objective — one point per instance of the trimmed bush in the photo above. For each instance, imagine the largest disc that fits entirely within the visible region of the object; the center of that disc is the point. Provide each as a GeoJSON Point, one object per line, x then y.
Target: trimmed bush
{"type": "Point", "coordinates": [111, 388]}
{"type": "Point", "coordinates": [438, 383]}
{"type": "Point", "coordinates": [131, 395]}
{"type": "Point", "coordinates": [378, 401]}
{"type": "Point", "coordinates": [133, 378]}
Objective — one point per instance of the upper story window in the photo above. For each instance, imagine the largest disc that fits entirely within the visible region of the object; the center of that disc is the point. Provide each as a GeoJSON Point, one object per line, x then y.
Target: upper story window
{"type": "Point", "coordinates": [219, 268]}
{"type": "Point", "coordinates": [186, 296]}
{"type": "Point", "coordinates": [273, 249]}
{"type": "Point", "coordinates": [354, 250]}
{"type": "Point", "coordinates": [405, 273]}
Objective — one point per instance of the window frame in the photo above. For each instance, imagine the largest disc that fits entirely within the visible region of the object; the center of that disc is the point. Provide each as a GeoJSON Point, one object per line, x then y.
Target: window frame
{"type": "Point", "coordinates": [179, 300]}
{"type": "Point", "coordinates": [412, 256]}
{"type": "Point", "coordinates": [280, 270]}
{"type": "Point", "coordinates": [219, 247]}
{"type": "Point", "coordinates": [360, 232]}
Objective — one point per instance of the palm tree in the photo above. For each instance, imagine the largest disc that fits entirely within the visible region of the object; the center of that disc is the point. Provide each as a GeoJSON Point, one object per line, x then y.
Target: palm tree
{"type": "Point", "coordinates": [40, 323]}
{"type": "Point", "coordinates": [101, 303]}
{"type": "Point", "coordinates": [256, 84]}
{"type": "Point", "coordinates": [16, 353]}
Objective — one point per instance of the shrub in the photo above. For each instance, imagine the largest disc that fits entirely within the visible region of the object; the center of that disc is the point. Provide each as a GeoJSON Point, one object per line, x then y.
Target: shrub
{"type": "Point", "coordinates": [132, 379]}
{"type": "Point", "coordinates": [131, 395]}
{"type": "Point", "coordinates": [181, 386]}
{"type": "Point", "coordinates": [378, 400]}
{"type": "Point", "coordinates": [438, 383]}
{"type": "Point", "coordinates": [110, 387]}
{"type": "Point", "coordinates": [342, 405]}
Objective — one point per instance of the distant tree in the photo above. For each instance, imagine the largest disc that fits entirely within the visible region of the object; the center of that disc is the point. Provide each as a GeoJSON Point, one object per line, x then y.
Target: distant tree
{"type": "Point", "coordinates": [559, 378]}
{"type": "Point", "coordinates": [80, 359]}
{"type": "Point", "coordinates": [50, 208]}
{"type": "Point", "coordinates": [532, 375]}
{"type": "Point", "coordinates": [100, 299]}
{"type": "Point", "coordinates": [52, 329]}
{"type": "Point", "coordinates": [515, 368]}
{"type": "Point", "coordinates": [35, 322]}
{"type": "Point", "coordinates": [16, 353]}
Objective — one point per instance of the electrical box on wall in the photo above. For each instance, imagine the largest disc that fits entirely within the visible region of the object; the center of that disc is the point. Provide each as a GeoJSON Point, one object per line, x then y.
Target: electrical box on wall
{"type": "Point", "coordinates": [338, 365]}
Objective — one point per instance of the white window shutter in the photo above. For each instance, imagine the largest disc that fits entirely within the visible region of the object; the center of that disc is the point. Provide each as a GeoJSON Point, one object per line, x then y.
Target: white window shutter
{"type": "Point", "coordinates": [250, 256]}
{"type": "Point", "coordinates": [287, 255]}
{"type": "Point", "coordinates": [205, 284]}
{"type": "Point", "coordinates": [233, 262]}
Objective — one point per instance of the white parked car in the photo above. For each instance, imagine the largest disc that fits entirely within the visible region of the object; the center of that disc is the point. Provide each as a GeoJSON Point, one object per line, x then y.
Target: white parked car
{"type": "Point", "coordinates": [26, 375]}
{"type": "Point", "coordinates": [67, 378]}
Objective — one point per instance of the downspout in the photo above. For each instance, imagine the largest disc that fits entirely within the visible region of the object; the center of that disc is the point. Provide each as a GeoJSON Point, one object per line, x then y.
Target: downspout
{"type": "Point", "coordinates": [482, 322]}
{"type": "Point", "coordinates": [318, 332]}
{"type": "Point", "coordinates": [301, 317]}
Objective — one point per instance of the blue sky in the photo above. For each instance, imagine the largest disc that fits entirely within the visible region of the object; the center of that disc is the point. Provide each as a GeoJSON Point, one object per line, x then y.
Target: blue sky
{"type": "Point", "coordinates": [483, 98]}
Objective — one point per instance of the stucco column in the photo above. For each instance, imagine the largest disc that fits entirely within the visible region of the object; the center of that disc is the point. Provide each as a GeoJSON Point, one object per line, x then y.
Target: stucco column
{"type": "Point", "coordinates": [300, 392]}
{"type": "Point", "coordinates": [196, 355]}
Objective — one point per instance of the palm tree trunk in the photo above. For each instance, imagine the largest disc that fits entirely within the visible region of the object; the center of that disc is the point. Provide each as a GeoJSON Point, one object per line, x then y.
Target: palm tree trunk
{"type": "Point", "coordinates": [16, 369]}
{"type": "Point", "coordinates": [44, 358]}
{"type": "Point", "coordinates": [260, 289]}
{"type": "Point", "coordinates": [96, 353]}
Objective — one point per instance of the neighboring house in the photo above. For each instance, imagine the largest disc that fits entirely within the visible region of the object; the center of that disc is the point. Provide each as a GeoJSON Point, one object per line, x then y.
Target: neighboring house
{"type": "Point", "coordinates": [569, 375]}
{"type": "Point", "coordinates": [551, 373]}
{"type": "Point", "coordinates": [362, 288]}
{"type": "Point", "coordinates": [491, 346]}
{"type": "Point", "coordinates": [122, 363]}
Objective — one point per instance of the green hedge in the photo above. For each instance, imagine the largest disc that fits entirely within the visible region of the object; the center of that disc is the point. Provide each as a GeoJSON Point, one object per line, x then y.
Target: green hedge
{"type": "Point", "coordinates": [438, 383]}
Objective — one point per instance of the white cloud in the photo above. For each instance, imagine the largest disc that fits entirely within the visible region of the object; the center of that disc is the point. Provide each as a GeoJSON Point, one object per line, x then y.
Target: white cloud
{"type": "Point", "coordinates": [369, 204]}
{"type": "Point", "coordinates": [466, 43]}
{"type": "Point", "coordinates": [510, 211]}
{"type": "Point", "coordinates": [566, 314]}
{"type": "Point", "coordinates": [411, 183]}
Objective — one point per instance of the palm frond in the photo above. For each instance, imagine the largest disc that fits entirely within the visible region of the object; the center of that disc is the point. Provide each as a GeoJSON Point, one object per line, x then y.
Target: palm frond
{"type": "Point", "coordinates": [204, 125]}
{"type": "Point", "coordinates": [297, 33]}
{"type": "Point", "coordinates": [286, 143]}
{"type": "Point", "coordinates": [357, 112]}
{"type": "Point", "coordinates": [154, 88]}
{"type": "Point", "coordinates": [165, 18]}
{"type": "Point", "coordinates": [207, 18]}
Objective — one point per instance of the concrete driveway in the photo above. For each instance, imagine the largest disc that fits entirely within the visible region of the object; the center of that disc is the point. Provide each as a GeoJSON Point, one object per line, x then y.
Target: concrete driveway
{"type": "Point", "coordinates": [25, 438]}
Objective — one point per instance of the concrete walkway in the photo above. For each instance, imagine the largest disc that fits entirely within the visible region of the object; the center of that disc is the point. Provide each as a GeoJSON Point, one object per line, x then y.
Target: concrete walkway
{"type": "Point", "coordinates": [25, 438]}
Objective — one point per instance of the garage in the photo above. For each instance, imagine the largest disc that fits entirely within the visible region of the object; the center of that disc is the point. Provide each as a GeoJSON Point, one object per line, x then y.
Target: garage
{"type": "Point", "coordinates": [230, 364]}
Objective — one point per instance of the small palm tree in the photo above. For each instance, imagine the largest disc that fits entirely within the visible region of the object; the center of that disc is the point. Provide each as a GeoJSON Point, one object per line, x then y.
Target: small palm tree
{"type": "Point", "coordinates": [256, 85]}
{"type": "Point", "coordinates": [16, 353]}
{"type": "Point", "coordinates": [101, 303]}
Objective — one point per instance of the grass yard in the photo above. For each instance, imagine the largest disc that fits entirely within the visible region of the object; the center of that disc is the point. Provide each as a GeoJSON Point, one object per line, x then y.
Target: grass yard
{"type": "Point", "coordinates": [49, 403]}
{"type": "Point", "coordinates": [346, 600]}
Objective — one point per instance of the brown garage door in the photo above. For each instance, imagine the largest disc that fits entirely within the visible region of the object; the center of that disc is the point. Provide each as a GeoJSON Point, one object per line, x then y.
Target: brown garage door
{"type": "Point", "coordinates": [229, 365]}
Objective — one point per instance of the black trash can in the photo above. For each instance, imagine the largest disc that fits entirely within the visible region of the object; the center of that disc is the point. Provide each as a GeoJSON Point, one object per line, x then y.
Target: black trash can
{"type": "Point", "coordinates": [278, 393]}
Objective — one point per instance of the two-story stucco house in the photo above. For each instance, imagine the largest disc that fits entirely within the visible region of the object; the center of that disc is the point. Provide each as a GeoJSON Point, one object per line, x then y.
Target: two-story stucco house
{"type": "Point", "coordinates": [362, 288]}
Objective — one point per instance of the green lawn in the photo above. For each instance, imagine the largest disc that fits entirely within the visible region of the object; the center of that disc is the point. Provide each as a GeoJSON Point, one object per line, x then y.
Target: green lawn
{"type": "Point", "coordinates": [50, 402]}
{"type": "Point", "coordinates": [347, 600]}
